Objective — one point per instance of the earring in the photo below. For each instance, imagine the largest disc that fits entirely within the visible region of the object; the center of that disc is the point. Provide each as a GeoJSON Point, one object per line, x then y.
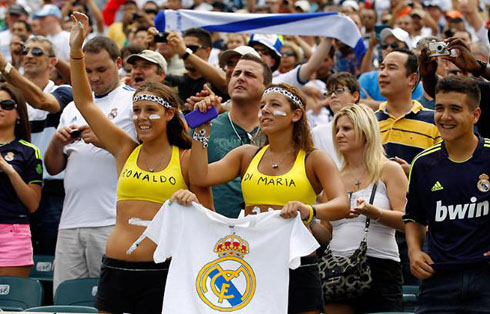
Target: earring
{"type": "Point", "coordinates": [18, 121]}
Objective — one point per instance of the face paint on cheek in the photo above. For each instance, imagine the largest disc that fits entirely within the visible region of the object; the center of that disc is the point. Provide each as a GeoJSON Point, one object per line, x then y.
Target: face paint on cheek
{"type": "Point", "coordinates": [280, 113]}
{"type": "Point", "coordinates": [154, 117]}
{"type": "Point", "coordinates": [135, 117]}
{"type": "Point", "coordinates": [260, 114]}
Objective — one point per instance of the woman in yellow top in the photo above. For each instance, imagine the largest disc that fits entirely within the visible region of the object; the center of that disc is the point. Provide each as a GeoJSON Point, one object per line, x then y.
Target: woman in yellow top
{"type": "Point", "coordinates": [149, 174]}
{"type": "Point", "coordinates": [285, 175]}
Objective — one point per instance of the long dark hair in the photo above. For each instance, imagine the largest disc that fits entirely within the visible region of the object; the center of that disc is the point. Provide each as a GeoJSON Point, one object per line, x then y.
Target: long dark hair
{"type": "Point", "coordinates": [176, 128]}
{"type": "Point", "coordinates": [22, 127]}
{"type": "Point", "coordinates": [301, 131]}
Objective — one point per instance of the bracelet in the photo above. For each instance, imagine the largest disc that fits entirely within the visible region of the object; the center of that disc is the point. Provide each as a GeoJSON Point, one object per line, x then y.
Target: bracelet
{"type": "Point", "coordinates": [380, 215]}
{"type": "Point", "coordinates": [76, 58]}
{"type": "Point", "coordinates": [310, 217]}
{"type": "Point", "coordinates": [314, 211]}
{"type": "Point", "coordinates": [7, 69]}
{"type": "Point", "coordinates": [201, 137]}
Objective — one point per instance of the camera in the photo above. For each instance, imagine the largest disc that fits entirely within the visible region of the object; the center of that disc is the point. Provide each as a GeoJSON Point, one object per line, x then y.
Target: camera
{"type": "Point", "coordinates": [438, 49]}
{"type": "Point", "coordinates": [161, 37]}
{"type": "Point", "coordinates": [76, 134]}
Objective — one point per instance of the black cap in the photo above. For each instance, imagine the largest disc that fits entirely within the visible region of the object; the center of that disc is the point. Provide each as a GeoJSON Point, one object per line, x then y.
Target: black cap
{"type": "Point", "coordinates": [17, 9]}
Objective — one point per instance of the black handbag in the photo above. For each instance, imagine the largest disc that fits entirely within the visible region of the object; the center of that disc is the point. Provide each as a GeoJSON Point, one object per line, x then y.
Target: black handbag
{"type": "Point", "coordinates": [346, 277]}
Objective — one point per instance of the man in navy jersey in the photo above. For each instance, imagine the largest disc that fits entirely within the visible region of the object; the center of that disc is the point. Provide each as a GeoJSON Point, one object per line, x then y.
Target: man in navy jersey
{"type": "Point", "coordinates": [449, 191]}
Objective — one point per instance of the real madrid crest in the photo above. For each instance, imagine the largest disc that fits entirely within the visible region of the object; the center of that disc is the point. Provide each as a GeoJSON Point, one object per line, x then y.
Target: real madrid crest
{"type": "Point", "coordinates": [228, 283]}
{"type": "Point", "coordinates": [111, 115]}
{"type": "Point", "coordinates": [483, 184]}
{"type": "Point", "coordinates": [9, 156]}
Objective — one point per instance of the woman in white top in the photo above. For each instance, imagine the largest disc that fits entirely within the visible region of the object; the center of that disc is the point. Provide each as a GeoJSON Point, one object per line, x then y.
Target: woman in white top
{"type": "Point", "coordinates": [358, 142]}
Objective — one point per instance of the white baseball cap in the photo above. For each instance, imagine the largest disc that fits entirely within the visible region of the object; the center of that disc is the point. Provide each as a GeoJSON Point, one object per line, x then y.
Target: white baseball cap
{"type": "Point", "coordinates": [396, 32]}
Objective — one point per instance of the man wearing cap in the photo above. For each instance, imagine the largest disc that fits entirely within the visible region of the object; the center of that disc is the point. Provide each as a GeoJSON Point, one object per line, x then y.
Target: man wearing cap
{"type": "Point", "coordinates": [14, 13]}
{"type": "Point", "coordinates": [148, 66]}
{"type": "Point", "coordinates": [269, 48]}
{"type": "Point", "coordinates": [423, 25]}
{"type": "Point", "coordinates": [89, 207]}
{"type": "Point", "coordinates": [194, 48]}
{"type": "Point", "coordinates": [436, 9]}
{"type": "Point", "coordinates": [390, 39]}
{"type": "Point", "coordinates": [50, 18]}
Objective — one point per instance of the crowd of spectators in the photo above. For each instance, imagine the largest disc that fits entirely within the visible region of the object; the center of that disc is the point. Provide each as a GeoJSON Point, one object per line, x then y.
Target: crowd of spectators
{"type": "Point", "coordinates": [66, 192]}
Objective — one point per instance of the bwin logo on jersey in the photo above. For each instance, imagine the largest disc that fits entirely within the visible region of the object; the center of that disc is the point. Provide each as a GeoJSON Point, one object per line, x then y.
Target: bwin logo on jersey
{"type": "Point", "coordinates": [228, 283]}
{"type": "Point", "coordinates": [462, 211]}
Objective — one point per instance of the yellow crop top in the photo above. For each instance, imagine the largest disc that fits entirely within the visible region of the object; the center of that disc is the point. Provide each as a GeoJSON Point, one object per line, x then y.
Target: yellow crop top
{"type": "Point", "coordinates": [261, 189]}
{"type": "Point", "coordinates": [137, 184]}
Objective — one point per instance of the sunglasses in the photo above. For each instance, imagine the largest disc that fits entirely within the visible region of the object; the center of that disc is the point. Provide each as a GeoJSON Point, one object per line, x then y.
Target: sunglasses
{"type": "Point", "coordinates": [151, 11]}
{"type": "Point", "coordinates": [288, 54]}
{"type": "Point", "coordinates": [337, 91]}
{"type": "Point", "coordinates": [263, 51]}
{"type": "Point", "coordinates": [8, 104]}
{"type": "Point", "coordinates": [392, 45]}
{"type": "Point", "coordinates": [194, 48]}
{"type": "Point", "coordinates": [37, 52]}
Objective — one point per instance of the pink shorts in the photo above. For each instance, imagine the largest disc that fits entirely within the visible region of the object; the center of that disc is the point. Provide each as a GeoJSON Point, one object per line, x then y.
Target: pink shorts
{"type": "Point", "coordinates": [15, 245]}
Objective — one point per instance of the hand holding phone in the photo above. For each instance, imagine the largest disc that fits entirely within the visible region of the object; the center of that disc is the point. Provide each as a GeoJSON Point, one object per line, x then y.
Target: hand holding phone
{"type": "Point", "coordinates": [76, 134]}
{"type": "Point", "coordinates": [196, 118]}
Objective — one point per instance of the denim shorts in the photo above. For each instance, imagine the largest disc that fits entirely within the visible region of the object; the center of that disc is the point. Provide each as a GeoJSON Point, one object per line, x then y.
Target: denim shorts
{"type": "Point", "coordinates": [458, 291]}
{"type": "Point", "coordinates": [305, 287]}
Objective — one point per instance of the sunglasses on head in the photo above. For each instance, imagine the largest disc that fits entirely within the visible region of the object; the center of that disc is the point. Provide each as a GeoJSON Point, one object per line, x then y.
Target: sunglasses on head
{"type": "Point", "coordinates": [8, 104]}
{"type": "Point", "coordinates": [394, 45]}
{"type": "Point", "coordinates": [37, 52]}
{"type": "Point", "coordinates": [194, 48]}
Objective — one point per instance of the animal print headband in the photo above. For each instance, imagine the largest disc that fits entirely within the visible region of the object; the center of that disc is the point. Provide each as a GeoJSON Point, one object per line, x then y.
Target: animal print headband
{"type": "Point", "coordinates": [153, 98]}
{"type": "Point", "coordinates": [286, 93]}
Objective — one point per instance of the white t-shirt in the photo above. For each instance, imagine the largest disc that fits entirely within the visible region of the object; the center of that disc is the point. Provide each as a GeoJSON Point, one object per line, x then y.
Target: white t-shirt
{"type": "Point", "coordinates": [323, 140]}
{"type": "Point", "coordinates": [61, 42]}
{"type": "Point", "coordinates": [90, 173]}
{"type": "Point", "coordinates": [347, 233]}
{"type": "Point", "coordinates": [290, 77]}
{"type": "Point", "coordinates": [42, 138]}
{"type": "Point", "coordinates": [5, 38]}
{"type": "Point", "coordinates": [253, 281]}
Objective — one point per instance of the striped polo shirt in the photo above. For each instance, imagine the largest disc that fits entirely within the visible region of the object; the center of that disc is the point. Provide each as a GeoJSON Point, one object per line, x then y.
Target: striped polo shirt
{"type": "Point", "coordinates": [407, 135]}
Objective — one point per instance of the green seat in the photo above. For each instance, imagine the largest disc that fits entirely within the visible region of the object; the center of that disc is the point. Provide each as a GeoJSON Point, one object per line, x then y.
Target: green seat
{"type": "Point", "coordinates": [19, 293]}
{"type": "Point", "coordinates": [76, 292]}
{"type": "Point", "coordinates": [43, 268]}
{"type": "Point", "coordinates": [410, 294]}
{"type": "Point", "coordinates": [62, 309]}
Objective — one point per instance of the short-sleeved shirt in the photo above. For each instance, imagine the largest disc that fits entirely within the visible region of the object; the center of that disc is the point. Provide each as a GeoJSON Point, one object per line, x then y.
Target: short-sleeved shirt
{"type": "Point", "coordinates": [228, 199]}
{"type": "Point", "coordinates": [27, 161]}
{"type": "Point", "coordinates": [453, 199]}
{"type": "Point", "coordinates": [407, 135]}
{"type": "Point", "coordinates": [369, 84]}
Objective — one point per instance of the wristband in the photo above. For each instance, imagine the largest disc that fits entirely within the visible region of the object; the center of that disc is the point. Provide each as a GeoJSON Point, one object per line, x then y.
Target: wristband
{"type": "Point", "coordinates": [481, 71]}
{"type": "Point", "coordinates": [314, 211]}
{"type": "Point", "coordinates": [310, 217]}
{"type": "Point", "coordinates": [76, 58]}
{"type": "Point", "coordinates": [187, 53]}
{"type": "Point", "coordinates": [7, 68]}
{"type": "Point", "coordinates": [201, 137]}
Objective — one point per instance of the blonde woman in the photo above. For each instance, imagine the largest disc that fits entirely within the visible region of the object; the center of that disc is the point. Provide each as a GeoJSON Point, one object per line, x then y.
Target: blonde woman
{"type": "Point", "coordinates": [358, 143]}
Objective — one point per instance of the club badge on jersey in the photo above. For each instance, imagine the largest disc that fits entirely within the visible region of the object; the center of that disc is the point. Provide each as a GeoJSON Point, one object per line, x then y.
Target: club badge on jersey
{"type": "Point", "coordinates": [228, 283]}
{"type": "Point", "coordinates": [483, 184]}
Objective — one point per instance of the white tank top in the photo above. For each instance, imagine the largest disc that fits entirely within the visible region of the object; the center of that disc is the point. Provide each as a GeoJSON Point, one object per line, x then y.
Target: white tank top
{"type": "Point", "coordinates": [348, 233]}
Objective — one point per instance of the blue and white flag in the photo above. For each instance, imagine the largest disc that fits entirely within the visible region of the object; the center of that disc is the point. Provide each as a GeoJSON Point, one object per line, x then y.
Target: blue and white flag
{"type": "Point", "coordinates": [323, 24]}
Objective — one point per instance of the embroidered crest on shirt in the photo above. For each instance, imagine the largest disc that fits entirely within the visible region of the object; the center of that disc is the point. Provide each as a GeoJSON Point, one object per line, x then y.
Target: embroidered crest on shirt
{"type": "Point", "coordinates": [113, 114]}
{"type": "Point", "coordinates": [483, 184]}
{"type": "Point", "coordinates": [228, 283]}
{"type": "Point", "coordinates": [9, 156]}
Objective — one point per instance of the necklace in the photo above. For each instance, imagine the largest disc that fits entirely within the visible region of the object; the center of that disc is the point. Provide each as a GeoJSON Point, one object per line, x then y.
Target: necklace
{"type": "Point", "coordinates": [152, 169]}
{"type": "Point", "coordinates": [276, 165]}
{"type": "Point", "coordinates": [250, 136]}
{"type": "Point", "coordinates": [358, 179]}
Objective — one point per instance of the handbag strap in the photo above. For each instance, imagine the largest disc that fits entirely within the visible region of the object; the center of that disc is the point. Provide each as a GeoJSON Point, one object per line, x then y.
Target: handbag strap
{"type": "Point", "coordinates": [371, 200]}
